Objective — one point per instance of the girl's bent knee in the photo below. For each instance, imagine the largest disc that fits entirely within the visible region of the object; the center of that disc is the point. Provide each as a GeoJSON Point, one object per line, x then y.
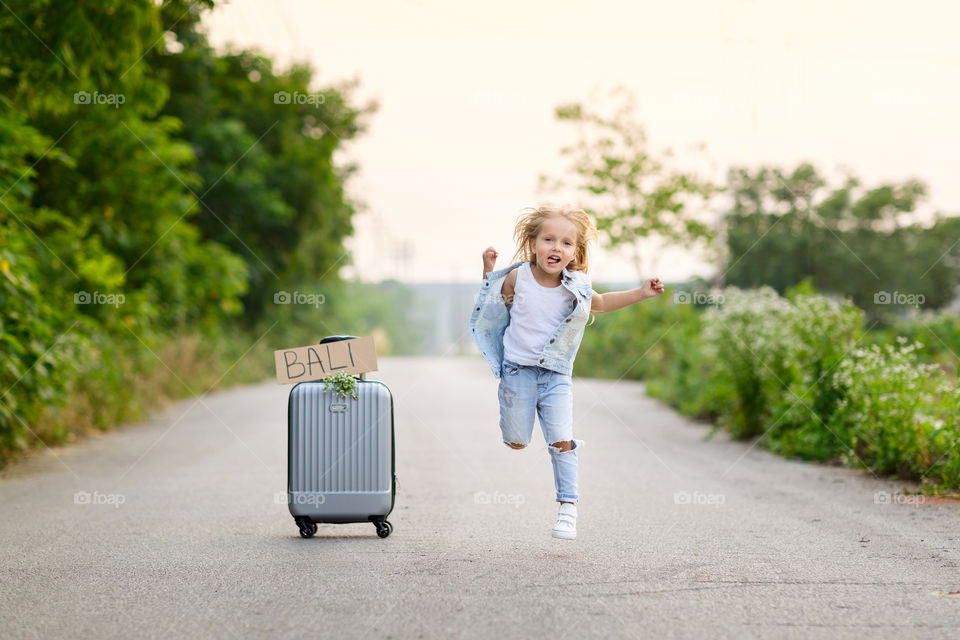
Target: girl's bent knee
{"type": "Point", "coordinates": [565, 446]}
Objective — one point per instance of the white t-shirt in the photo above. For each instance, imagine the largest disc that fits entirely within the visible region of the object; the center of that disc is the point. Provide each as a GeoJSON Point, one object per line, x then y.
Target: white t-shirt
{"type": "Point", "coordinates": [535, 314]}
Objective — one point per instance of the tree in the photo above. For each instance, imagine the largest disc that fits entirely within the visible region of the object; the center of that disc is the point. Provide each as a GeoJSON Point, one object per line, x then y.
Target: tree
{"type": "Point", "coordinates": [269, 189]}
{"type": "Point", "coordinates": [784, 226]}
{"type": "Point", "coordinates": [141, 167]}
{"type": "Point", "coordinates": [629, 190]}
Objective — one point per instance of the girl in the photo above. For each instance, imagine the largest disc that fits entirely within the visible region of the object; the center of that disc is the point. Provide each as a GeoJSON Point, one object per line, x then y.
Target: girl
{"type": "Point", "coordinates": [528, 323]}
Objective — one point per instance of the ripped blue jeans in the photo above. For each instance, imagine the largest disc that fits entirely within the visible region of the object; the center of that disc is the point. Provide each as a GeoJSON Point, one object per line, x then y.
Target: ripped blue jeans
{"type": "Point", "coordinates": [527, 390]}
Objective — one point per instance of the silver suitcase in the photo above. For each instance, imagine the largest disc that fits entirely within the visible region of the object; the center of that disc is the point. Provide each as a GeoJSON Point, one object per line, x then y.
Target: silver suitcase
{"type": "Point", "coordinates": [341, 455]}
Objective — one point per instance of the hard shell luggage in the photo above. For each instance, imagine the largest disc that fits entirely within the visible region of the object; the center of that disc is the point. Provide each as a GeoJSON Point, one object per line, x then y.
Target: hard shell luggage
{"type": "Point", "coordinates": [340, 456]}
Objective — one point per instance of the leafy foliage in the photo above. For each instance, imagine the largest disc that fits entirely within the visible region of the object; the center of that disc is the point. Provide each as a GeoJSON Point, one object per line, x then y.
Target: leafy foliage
{"type": "Point", "coordinates": [342, 384]}
{"type": "Point", "coordinates": [629, 189]}
{"type": "Point", "coordinates": [800, 374]}
{"type": "Point", "coordinates": [154, 196]}
{"type": "Point", "coordinates": [869, 245]}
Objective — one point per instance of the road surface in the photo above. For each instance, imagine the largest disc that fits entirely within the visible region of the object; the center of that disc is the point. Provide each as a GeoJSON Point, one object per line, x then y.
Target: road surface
{"type": "Point", "coordinates": [173, 528]}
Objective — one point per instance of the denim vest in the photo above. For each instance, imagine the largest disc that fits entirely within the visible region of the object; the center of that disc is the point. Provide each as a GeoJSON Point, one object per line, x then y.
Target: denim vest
{"type": "Point", "coordinates": [490, 318]}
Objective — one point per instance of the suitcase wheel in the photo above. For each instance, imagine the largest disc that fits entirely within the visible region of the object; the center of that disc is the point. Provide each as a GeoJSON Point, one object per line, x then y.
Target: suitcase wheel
{"type": "Point", "coordinates": [384, 528]}
{"type": "Point", "coordinates": [307, 528]}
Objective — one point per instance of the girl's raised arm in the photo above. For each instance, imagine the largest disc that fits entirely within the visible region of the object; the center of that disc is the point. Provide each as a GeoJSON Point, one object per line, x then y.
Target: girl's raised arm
{"type": "Point", "coordinates": [613, 300]}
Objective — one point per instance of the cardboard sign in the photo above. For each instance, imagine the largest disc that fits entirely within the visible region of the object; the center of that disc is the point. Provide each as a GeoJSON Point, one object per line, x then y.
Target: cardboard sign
{"type": "Point", "coordinates": [316, 362]}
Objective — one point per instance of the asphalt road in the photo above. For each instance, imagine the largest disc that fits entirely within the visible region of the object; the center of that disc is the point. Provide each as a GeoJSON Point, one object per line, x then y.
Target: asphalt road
{"type": "Point", "coordinates": [173, 529]}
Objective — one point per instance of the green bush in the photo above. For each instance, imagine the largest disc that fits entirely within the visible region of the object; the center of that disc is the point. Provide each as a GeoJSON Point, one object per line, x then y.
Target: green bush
{"type": "Point", "coordinates": [800, 373]}
{"type": "Point", "coordinates": [898, 415]}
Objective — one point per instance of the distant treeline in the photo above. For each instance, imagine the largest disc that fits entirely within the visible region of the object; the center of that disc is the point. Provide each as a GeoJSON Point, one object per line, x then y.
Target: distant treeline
{"type": "Point", "coordinates": [869, 245]}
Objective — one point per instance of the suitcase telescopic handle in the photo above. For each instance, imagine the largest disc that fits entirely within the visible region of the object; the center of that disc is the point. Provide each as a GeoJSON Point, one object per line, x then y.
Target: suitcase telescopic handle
{"type": "Point", "coordinates": [363, 376]}
{"type": "Point", "coordinates": [336, 339]}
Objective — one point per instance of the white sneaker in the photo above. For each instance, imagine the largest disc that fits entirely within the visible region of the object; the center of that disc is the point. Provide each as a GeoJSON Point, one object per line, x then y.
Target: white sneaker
{"type": "Point", "coordinates": [566, 526]}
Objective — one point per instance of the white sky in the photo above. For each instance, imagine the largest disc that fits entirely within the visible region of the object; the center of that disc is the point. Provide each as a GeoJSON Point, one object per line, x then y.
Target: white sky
{"type": "Point", "coordinates": [467, 92]}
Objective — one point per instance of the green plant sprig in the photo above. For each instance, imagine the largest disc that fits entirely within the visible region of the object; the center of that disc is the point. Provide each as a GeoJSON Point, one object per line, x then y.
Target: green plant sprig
{"type": "Point", "coordinates": [342, 384]}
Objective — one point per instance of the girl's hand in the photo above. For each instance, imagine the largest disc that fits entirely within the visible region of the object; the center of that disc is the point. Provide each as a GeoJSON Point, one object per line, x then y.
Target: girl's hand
{"type": "Point", "coordinates": [489, 259]}
{"type": "Point", "coordinates": [652, 287]}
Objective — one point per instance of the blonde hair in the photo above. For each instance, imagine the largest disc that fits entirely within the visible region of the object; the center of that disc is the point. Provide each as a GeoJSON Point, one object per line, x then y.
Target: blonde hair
{"type": "Point", "coordinates": [530, 222]}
